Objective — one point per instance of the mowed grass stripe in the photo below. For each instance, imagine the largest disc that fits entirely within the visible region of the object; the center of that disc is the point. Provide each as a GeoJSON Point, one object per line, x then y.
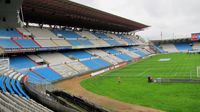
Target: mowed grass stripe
{"type": "Point", "coordinates": [135, 89]}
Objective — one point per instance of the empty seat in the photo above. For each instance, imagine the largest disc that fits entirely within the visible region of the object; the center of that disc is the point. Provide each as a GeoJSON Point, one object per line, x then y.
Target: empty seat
{"type": "Point", "coordinates": [48, 74]}
{"type": "Point", "coordinates": [20, 62]}
{"type": "Point", "coordinates": [7, 43]}
{"type": "Point", "coordinates": [27, 43]}
{"type": "Point", "coordinates": [10, 32]}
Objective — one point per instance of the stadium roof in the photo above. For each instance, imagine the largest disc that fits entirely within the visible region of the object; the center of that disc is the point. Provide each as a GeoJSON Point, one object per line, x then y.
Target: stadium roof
{"type": "Point", "coordinates": [68, 13]}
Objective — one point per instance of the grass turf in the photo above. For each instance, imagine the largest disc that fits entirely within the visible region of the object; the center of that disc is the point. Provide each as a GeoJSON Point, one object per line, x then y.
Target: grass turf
{"type": "Point", "coordinates": [134, 89]}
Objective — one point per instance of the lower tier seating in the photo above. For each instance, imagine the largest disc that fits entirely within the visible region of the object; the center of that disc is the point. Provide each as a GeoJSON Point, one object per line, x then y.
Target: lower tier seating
{"type": "Point", "coordinates": [53, 66]}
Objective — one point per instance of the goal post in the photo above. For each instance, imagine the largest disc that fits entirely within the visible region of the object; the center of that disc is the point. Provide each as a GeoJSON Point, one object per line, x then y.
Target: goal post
{"type": "Point", "coordinates": [198, 71]}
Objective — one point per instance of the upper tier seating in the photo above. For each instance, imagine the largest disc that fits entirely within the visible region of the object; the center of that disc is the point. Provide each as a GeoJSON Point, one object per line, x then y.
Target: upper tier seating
{"type": "Point", "coordinates": [20, 62]}
{"type": "Point", "coordinates": [46, 43]}
{"type": "Point", "coordinates": [7, 33]}
{"type": "Point", "coordinates": [183, 47]}
{"type": "Point", "coordinates": [7, 43]}
{"type": "Point", "coordinates": [119, 40]}
{"type": "Point", "coordinates": [135, 39]}
{"type": "Point", "coordinates": [61, 42]}
{"type": "Point", "coordinates": [41, 33]}
{"type": "Point", "coordinates": [23, 31]}
{"type": "Point", "coordinates": [47, 73]}
{"type": "Point", "coordinates": [169, 48]}
{"type": "Point", "coordinates": [28, 43]}
{"type": "Point", "coordinates": [93, 39]}
{"type": "Point", "coordinates": [109, 40]}
{"type": "Point", "coordinates": [130, 41]}
{"type": "Point", "coordinates": [73, 38]}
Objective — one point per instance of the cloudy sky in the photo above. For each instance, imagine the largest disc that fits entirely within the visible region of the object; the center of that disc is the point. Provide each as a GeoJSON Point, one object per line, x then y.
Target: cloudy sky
{"type": "Point", "coordinates": [171, 17]}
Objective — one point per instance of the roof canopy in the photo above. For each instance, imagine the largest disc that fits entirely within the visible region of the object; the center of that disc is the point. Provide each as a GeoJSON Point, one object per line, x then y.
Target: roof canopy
{"type": "Point", "coordinates": [68, 13]}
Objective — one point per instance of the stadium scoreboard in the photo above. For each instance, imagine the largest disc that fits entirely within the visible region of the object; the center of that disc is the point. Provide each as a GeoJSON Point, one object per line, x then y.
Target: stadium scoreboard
{"type": "Point", "coordinates": [195, 36]}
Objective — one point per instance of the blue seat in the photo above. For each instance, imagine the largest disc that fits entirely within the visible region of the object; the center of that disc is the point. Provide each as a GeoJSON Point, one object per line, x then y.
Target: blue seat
{"type": "Point", "coordinates": [72, 34]}
{"type": "Point", "coordinates": [86, 42]}
{"type": "Point", "coordinates": [20, 62]}
{"type": "Point", "coordinates": [17, 82]}
{"type": "Point", "coordinates": [183, 46]}
{"type": "Point", "coordinates": [9, 33]}
{"type": "Point", "coordinates": [107, 39]}
{"type": "Point", "coordinates": [2, 86]}
{"type": "Point", "coordinates": [142, 54]}
{"type": "Point", "coordinates": [91, 64]}
{"type": "Point", "coordinates": [15, 88]}
{"type": "Point", "coordinates": [101, 62]}
{"type": "Point", "coordinates": [75, 42]}
{"type": "Point", "coordinates": [124, 57]}
{"type": "Point", "coordinates": [8, 86]}
{"type": "Point", "coordinates": [81, 54]}
{"type": "Point", "coordinates": [34, 78]}
{"type": "Point", "coordinates": [129, 41]}
{"type": "Point", "coordinates": [48, 74]}
{"type": "Point", "coordinates": [67, 34]}
{"type": "Point", "coordinates": [7, 43]}
{"type": "Point", "coordinates": [27, 43]}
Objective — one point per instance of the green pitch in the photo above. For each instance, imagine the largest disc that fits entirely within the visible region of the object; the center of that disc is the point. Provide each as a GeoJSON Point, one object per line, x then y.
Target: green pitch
{"type": "Point", "coordinates": [133, 87]}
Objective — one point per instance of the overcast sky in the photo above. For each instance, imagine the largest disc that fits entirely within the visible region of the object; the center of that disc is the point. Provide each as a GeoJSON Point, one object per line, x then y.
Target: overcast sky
{"type": "Point", "coordinates": [178, 17]}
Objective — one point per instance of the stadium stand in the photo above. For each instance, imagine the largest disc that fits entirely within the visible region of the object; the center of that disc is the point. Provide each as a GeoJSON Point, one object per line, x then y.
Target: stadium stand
{"type": "Point", "coordinates": [93, 39]}
{"type": "Point", "coordinates": [27, 43]}
{"type": "Point", "coordinates": [41, 33]}
{"type": "Point", "coordinates": [12, 96]}
{"type": "Point", "coordinates": [56, 50]}
{"type": "Point", "coordinates": [119, 40]}
{"type": "Point", "coordinates": [73, 38]}
{"type": "Point", "coordinates": [35, 58]}
{"type": "Point", "coordinates": [169, 48]}
{"type": "Point", "coordinates": [183, 47]}
{"type": "Point", "coordinates": [7, 43]}
{"type": "Point", "coordinates": [47, 73]}
{"type": "Point", "coordinates": [20, 62]}
{"type": "Point", "coordinates": [122, 56]}
{"type": "Point", "coordinates": [104, 37]}
{"type": "Point", "coordinates": [130, 41]}
{"type": "Point", "coordinates": [9, 32]}
{"type": "Point", "coordinates": [125, 51]}
{"type": "Point", "coordinates": [105, 56]}
{"type": "Point", "coordinates": [87, 59]}
{"type": "Point", "coordinates": [46, 43]}
{"type": "Point", "coordinates": [54, 58]}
